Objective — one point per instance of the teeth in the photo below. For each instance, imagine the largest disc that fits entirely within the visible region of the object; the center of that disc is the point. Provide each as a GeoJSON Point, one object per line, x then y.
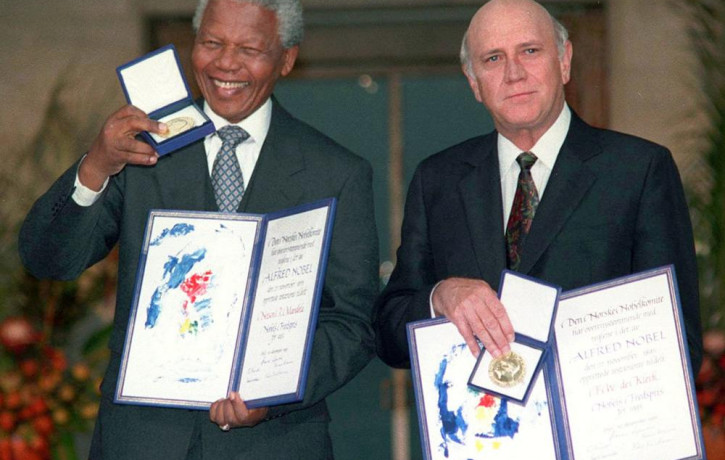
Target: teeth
{"type": "Point", "coordinates": [230, 84]}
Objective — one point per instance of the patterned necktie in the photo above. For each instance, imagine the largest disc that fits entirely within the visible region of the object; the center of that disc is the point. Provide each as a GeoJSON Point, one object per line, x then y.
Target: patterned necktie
{"type": "Point", "coordinates": [522, 211]}
{"type": "Point", "coordinates": [226, 175]}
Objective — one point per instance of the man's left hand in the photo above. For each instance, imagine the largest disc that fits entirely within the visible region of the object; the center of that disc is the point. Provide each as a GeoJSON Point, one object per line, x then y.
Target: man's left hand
{"type": "Point", "coordinates": [231, 412]}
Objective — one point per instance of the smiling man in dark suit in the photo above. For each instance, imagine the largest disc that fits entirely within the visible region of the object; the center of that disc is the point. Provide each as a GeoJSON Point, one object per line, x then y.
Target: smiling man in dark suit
{"type": "Point", "coordinates": [242, 48]}
{"type": "Point", "coordinates": [545, 194]}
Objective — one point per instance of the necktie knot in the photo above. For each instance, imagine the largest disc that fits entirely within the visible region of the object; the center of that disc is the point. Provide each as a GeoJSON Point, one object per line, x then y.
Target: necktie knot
{"type": "Point", "coordinates": [526, 160]}
{"type": "Point", "coordinates": [232, 135]}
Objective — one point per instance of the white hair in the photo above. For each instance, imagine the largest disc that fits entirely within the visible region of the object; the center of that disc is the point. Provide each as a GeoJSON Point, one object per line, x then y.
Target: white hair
{"type": "Point", "coordinates": [288, 12]}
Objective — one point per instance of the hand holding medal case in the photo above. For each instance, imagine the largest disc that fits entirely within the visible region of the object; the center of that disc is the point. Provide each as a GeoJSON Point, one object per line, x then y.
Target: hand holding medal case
{"type": "Point", "coordinates": [531, 306]}
{"type": "Point", "coordinates": [155, 84]}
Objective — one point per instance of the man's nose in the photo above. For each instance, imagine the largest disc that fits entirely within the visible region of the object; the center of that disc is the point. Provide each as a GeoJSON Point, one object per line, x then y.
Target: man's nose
{"type": "Point", "coordinates": [514, 69]}
{"type": "Point", "coordinates": [228, 59]}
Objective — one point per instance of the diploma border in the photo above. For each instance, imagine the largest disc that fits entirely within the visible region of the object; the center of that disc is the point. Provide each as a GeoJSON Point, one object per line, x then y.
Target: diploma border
{"type": "Point", "coordinates": [417, 384]}
{"type": "Point", "coordinates": [555, 368]}
{"type": "Point", "coordinates": [298, 395]}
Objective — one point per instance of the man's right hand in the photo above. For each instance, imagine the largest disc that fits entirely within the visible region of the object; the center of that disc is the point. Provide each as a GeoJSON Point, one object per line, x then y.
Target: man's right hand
{"type": "Point", "coordinates": [116, 146]}
{"type": "Point", "coordinates": [476, 311]}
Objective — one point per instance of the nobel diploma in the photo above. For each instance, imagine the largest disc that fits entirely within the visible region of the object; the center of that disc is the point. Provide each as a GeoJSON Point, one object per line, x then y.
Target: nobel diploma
{"type": "Point", "coordinates": [622, 364]}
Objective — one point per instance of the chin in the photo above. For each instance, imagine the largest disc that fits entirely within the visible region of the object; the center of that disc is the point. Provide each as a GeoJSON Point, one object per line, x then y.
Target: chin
{"type": "Point", "coordinates": [522, 118]}
{"type": "Point", "coordinates": [233, 114]}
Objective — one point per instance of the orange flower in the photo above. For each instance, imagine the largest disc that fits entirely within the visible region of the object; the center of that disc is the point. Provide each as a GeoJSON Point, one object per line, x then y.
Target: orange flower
{"type": "Point", "coordinates": [13, 400]}
{"type": "Point", "coordinates": [66, 393]}
{"type": "Point", "coordinates": [38, 406]}
{"type": "Point", "coordinates": [714, 342]}
{"type": "Point", "coordinates": [80, 372]}
{"type": "Point", "coordinates": [7, 421]}
{"type": "Point", "coordinates": [43, 425]}
{"type": "Point", "coordinates": [6, 450]}
{"type": "Point", "coordinates": [710, 382]}
{"type": "Point", "coordinates": [29, 368]}
{"type": "Point", "coordinates": [50, 382]}
{"type": "Point", "coordinates": [89, 411]}
{"type": "Point", "coordinates": [16, 334]}
{"type": "Point", "coordinates": [61, 416]}
{"type": "Point", "coordinates": [10, 381]}
{"type": "Point", "coordinates": [57, 359]}
{"type": "Point", "coordinates": [40, 445]}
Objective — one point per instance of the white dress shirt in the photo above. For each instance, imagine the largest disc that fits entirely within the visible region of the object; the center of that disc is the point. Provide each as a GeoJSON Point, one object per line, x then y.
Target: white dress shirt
{"type": "Point", "coordinates": [257, 125]}
{"type": "Point", "coordinates": [546, 150]}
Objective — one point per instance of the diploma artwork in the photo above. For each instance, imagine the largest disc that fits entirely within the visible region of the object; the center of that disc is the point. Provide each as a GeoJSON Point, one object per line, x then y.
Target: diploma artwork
{"type": "Point", "coordinates": [225, 301]}
{"type": "Point", "coordinates": [615, 383]}
{"type": "Point", "coordinates": [458, 421]}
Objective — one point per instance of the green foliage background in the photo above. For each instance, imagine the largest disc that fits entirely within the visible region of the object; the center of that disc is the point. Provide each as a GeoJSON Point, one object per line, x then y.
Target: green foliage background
{"type": "Point", "coordinates": [706, 19]}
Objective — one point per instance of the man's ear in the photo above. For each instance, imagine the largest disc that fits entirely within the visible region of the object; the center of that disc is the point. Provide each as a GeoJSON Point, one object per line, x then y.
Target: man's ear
{"type": "Point", "coordinates": [472, 82]}
{"type": "Point", "coordinates": [290, 56]}
{"type": "Point", "coordinates": [565, 62]}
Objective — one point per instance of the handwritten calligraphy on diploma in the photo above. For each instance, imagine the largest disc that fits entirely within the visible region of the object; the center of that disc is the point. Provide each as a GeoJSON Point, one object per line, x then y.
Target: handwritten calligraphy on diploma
{"type": "Point", "coordinates": [283, 304]}
{"type": "Point", "coordinates": [621, 364]}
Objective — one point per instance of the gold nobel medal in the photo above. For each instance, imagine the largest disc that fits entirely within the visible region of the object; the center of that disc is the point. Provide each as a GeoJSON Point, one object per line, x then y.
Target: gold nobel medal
{"type": "Point", "coordinates": [178, 125]}
{"type": "Point", "coordinates": [507, 370]}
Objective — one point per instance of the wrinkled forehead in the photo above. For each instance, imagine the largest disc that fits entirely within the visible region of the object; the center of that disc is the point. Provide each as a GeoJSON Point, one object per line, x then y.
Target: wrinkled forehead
{"type": "Point", "coordinates": [505, 23]}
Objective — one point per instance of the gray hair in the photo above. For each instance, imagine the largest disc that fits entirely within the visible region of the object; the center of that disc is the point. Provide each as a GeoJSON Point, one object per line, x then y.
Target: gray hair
{"type": "Point", "coordinates": [561, 35]}
{"type": "Point", "coordinates": [289, 18]}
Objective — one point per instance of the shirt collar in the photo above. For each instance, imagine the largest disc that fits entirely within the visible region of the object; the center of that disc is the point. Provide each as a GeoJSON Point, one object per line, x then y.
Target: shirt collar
{"type": "Point", "coordinates": [546, 148]}
{"type": "Point", "coordinates": [256, 124]}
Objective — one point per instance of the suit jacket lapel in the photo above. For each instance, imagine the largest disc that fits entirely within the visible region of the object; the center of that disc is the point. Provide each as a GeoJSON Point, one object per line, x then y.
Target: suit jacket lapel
{"type": "Point", "coordinates": [481, 194]}
{"type": "Point", "coordinates": [187, 185]}
{"type": "Point", "coordinates": [275, 182]}
{"type": "Point", "coordinates": [569, 181]}
{"type": "Point", "coordinates": [184, 181]}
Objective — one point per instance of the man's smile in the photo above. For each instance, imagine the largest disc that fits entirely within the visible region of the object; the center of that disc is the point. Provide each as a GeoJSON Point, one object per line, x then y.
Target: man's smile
{"type": "Point", "coordinates": [229, 84]}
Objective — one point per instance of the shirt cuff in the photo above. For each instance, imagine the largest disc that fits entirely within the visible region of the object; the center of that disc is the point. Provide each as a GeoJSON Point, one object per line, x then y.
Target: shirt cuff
{"type": "Point", "coordinates": [83, 196]}
{"type": "Point", "coordinates": [430, 300]}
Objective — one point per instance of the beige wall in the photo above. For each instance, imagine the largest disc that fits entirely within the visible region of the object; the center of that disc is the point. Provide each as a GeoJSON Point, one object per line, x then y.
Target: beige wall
{"type": "Point", "coordinates": [42, 39]}
{"type": "Point", "coordinates": [651, 84]}
{"type": "Point", "coordinates": [653, 77]}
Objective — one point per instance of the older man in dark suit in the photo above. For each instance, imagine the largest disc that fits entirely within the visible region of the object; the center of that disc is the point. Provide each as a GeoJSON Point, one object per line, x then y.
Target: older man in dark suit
{"type": "Point", "coordinates": [242, 48]}
{"type": "Point", "coordinates": [545, 194]}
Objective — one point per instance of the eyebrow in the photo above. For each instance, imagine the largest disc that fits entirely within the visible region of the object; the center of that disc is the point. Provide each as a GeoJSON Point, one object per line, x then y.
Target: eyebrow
{"type": "Point", "coordinates": [530, 44]}
{"type": "Point", "coordinates": [527, 44]}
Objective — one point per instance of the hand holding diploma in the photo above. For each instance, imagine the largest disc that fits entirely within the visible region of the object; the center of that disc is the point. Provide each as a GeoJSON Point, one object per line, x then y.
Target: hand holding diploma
{"type": "Point", "coordinates": [232, 412]}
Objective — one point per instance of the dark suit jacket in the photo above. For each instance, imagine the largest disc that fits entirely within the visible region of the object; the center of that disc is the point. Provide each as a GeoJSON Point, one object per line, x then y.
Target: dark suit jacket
{"type": "Point", "coordinates": [613, 206]}
{"type": "Point", "coordinates": [297, 164]}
